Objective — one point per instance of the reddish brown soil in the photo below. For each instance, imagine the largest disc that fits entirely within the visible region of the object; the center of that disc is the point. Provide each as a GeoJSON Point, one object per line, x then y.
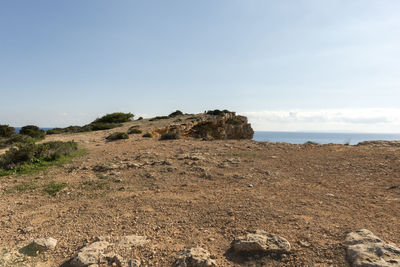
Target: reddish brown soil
{"type": "Point", "coordinates": [219, 190]}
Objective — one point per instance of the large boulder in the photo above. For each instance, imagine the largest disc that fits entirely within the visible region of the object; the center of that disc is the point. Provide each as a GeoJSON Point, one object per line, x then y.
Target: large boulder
{"type": "Point", "coordinates": [364, 249]}
{"type": "Point", "coordinates": [260, 241]}
{"type": "Point", "coordinates": [194, 257]}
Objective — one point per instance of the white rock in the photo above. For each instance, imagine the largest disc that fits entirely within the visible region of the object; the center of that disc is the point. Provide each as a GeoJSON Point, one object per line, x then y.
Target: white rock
{"type": "Point", "coordinates": [364, 249]}
{"type": "Point", "coordinates": [194, 257]}
{"type": "Point", "coordinates": [260, 241]}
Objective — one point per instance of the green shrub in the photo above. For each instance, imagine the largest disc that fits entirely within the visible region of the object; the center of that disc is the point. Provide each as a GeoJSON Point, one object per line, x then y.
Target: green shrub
{"type": "Point", "coordinates": [97, 126]}
{"type": "Point", "coordinates": [53, 188]}
{"type": "Point", "coordinates": [311, 143]}
{"type": "Point", "coordinates": [217, 112]}
{"type": "Point", "coordinates": [140, 118]}
{"type": "Point", "coordinates": [6, 131]}
{"type": "Point", "coordinates": [33, 131]}
{"type": "Point", "coordinates": [170, 136]}
{"type": "Point", "coordinates": [33, 153]}
{"type": "Point", "coordinates": [116, 117]}
{"type": "Point", "coordinates": [235, 121]}
{"type": "Point", "coordinates": [159, 118]}
{"type": "Point", "coordinates": [147, 135]}
{"type": "Point", "coordinates": [176, 113]}
{"type": "Point", "coordinates": [134, 131]}
{"type": "Point", "coordinates": [20, 139]}
{"type": "Point", "coordinates": [117, 136]}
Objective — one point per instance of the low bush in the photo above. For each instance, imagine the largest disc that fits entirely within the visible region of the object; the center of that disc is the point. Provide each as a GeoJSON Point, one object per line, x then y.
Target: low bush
{"type": "Point", "coordinates": [140, 118]}
{"type": "Point", "coordinates": [235, 121]}
{"type": "Point", "coordinates": [53, 188]}
{"type": "Point", "coordinates": [6, 131]}
{"type": "Point", "coordinates": [33, 131]}
{"type": "Point", "coordinates": [116, 117]}
{"type": "Point", "coordinates": [147, 135]}
{"type": "Point", "coordinates": [176, 113]}
{"type": "Point", "coordinates": [20, 139]}
{"type": "Point", "coordinates": [30, 153]}
{"type": "Point", "coordinates": [134, 131]}
{"type": "Point", "coordinates": [98, 126]}
{"type": "Point", "coordinates": [217, 112]}
{"type": "Point", "coordinates": [117, 136]}
{"type": "Point", "coordinates": [170, 136]}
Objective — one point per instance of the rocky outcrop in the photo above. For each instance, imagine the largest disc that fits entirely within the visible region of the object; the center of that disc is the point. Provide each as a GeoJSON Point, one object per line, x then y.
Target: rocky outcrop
{"type": "Point", "coordinates": [364, 249]}
{"type": "Point", "coordinates": [260, 241]}
{"type": "Point", "coordinates": [194, 257]}
{"type": "Point", "coordinates": [210, 127]}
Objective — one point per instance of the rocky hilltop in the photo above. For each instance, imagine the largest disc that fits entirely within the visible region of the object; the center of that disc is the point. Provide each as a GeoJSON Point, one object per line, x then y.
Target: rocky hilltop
{"type": "Point", "coordinates": [195, 190]}
{"type": "Point", "coordinates": [211, 127]}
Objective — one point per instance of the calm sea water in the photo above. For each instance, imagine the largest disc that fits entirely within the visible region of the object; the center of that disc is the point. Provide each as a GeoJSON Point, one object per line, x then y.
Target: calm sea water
{"type": "Point", "coordinates": [321, 138]}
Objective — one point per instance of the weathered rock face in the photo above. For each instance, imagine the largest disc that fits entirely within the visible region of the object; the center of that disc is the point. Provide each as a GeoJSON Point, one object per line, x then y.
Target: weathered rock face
{"type": "Point", "coordinates": [226, 126]}
{"type": "Point", "coordinates": [194, 257]}
{"type": "Point", "coordinates": [260, 241]}
{"type": "Point", "coordinates": [364, 249]}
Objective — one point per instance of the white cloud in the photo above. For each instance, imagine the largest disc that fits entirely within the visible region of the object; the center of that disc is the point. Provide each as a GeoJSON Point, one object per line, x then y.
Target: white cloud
{"type": "Point", "coordinates": [378, 120]}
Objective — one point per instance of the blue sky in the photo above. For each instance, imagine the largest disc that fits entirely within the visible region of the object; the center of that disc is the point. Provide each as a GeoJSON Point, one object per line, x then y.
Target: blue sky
{"type": "Point", "coordinates": [287, 65]}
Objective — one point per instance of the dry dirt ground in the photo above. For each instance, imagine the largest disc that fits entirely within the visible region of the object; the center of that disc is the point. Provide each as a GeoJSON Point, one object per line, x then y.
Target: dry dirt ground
{"type": "Point", "coordinates": [190, 192]}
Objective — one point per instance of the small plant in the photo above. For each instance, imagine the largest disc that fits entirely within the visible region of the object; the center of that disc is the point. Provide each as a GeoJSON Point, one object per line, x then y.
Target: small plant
{"type": "Point", "coordinates": [116, 117]}
{"type": "Point", "coordinates": [98, 126]}
{"type": "Point", "coordinates": [134, 131]}
{"type": "Point", "coordinates": [147, 135]}
{"type": "Point", "coordinates": [117, 136]}
{"type": "Point", "coordinates": [311, 143]}
{"type": "Point", "coordinates": [31, 154]}
{"type": "Point", "coordinates": [140, 118]}
{"type": "Point", "coordinates": [33, 131]}
{"type": "Point", "coordinates": [217, 112]}
{"type": "Point", "coordinates": [235, 121]}
{"type": "Point", "coordinates": [176, 113]}
{"type": "Point", "coordinates": [53, 188]}
{"type": "Point", "coordinates": [6, 131]}
{"type": "Point", "coordinates": [170, 136]}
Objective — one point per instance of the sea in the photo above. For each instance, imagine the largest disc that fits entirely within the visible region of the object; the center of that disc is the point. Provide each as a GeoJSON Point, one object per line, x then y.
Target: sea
{"type": "Point", "coordinates": [321, 138]}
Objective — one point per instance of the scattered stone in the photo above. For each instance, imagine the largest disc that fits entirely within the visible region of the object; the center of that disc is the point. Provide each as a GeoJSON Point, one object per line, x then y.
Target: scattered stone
{"type": "Point", "coordinates": [131, 241]}
{"type": "Point", "coordinates": [91, 254]}
{"type": "Point", "coordinates": [364, 249]}
{"type": "Point", "coordinates": [260, 241]}
{"type": "Point", "coordinates": [102, 168]}
{"type": "Point", "coordinates": [194, 257]}
{"type": "Point", "coordinates": [304, 244]}
{"type": "Point", "coordinates": [251, 185]}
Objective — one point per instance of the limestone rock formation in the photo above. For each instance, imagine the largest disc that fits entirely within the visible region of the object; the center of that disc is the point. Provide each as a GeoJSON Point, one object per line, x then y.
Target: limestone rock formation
{"type": "Point", "coordinates": [260, 241]}
{"type": "Point", "coordinates": [364, 249]}
{"type": "Point", "coordinates": [194, 257]}
{"type": "Point", "coordinates": [209, 127]}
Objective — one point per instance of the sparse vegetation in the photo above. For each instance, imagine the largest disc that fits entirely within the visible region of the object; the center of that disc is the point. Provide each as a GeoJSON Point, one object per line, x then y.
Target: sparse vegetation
{"type": "Point", "coordinates": [6, 131]}
{"type": "Point", "coordinates": [117, 136]}
{"type": "Point", "coordinates": [170, 136]}
{"type": "Point", "coordinates": [217, 112]}
{"type": "Point", "coordinates": [147, 135]}
{"type": "Point", "coordinates": [235, 121]}
{"type": "Point", "coordinates": [116, 117]}
{"type": "Point", "coordinates": [140, 118]}
{"type": "Point", "coordinates": [134, 131]}
{"type": "Point", "coordinates": [53, 188]}
{"type": "Point", "coordinates": [33, 131]}
{"type": "Point", "coordinates": [108, 121]}
{"type": "Point", "coordinates": [28, 157]}
{"type": "Point", "coordinates": [176, 113]}
{"type": "Point", "coordinates": [311, 143]}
